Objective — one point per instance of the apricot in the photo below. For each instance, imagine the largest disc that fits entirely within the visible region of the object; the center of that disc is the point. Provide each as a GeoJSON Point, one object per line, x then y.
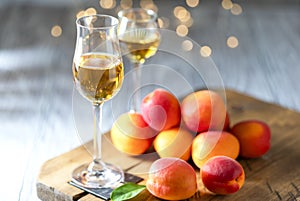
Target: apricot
{"type": "Point", "coordinates": [131, 134]}
{"type": "Point", "coordinates": [161, 110]}
{"type": "Point", "coordinates": [175, 142]}
{"type": "Point", "coordinates": [222, 175]}
{"type": "Point", "coordinates": [213, 143]}
{"type": "Point", "coordinates": [254, 137]}
{"type": "Point", "coordinates": [172, 179]}
{"type": "Point", "coordinates": [203, 110]}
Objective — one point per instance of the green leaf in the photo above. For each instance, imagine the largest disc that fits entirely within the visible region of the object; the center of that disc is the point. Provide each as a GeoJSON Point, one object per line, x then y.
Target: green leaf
{"type": "Point", "coordinates": [126, 191]}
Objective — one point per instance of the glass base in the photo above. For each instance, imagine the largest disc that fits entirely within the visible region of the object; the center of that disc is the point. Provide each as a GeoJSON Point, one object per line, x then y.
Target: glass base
{"type": "Point", "coordinates": [107, 176]}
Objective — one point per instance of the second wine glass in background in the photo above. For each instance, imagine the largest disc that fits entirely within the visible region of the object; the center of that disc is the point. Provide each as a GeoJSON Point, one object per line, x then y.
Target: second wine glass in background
{"type": "Point", "coordinates": [139, 39]}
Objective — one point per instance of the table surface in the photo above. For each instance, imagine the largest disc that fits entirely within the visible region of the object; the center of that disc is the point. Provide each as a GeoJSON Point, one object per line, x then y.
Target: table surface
{"type": "Point", "coordinates": [36, 111]}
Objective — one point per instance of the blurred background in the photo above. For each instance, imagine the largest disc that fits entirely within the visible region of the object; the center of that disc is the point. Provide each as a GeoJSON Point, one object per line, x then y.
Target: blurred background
{"type": "Point", "coordinates": [254, 44]}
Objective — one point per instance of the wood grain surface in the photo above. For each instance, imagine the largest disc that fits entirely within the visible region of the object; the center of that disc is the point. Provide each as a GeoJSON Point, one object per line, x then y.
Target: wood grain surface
{"type": "Point", "coordinates": [36, 89]}
{"type": "Point", "coordinates": [274, 176]}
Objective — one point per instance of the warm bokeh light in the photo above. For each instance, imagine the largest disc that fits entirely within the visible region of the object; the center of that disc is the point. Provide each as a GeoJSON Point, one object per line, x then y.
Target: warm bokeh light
{"type": "Point", "coordinates": [232, 42]}
{"type": "Point", "coordinates": [183, 15]}
{"type": "Point", "coordinates": [80, 14]}
{"type": "Point", "coordinates": [187, 45]}
{"type": "Point", "coordinates": [56, 31]}
{"type": "Point", "coordinates": [125, 4]}
{"type": "Point", "coordinates": [192, 3]}
{"type": "Point", "coordinates": [144, 3]}
{"type": "Point", "coordinates": [160, 23]}
{"type": "Point", "coordinates": [163, 22]}
{"type": "Point", "coordinates": [189, 23]}
{"type": "Point", "coordinates": [236, 9]}
{"type": "Point", "coordinates": [177, 10]}
{"type": "Point", "coordinates": [227, 4]}
{"type": "Point", "coordinates": [152, 7]}
{"type": "Point", "coordinates": [90, 11]}
{"type": "Point", "coordinates": [107, 4]}
{"type": "Point", "coordinates": [186, 17]}
{"type": "Point", "coordinates": [182, 30]}
{"type": "Point", "coordinates": [205, 51]}
{"type": "Point", "coordinates": [148, 4]}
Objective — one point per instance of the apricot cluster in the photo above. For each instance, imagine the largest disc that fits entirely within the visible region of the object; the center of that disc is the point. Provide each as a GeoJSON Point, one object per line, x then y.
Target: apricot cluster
{"type": "Point", "coordinates": [198, 128]}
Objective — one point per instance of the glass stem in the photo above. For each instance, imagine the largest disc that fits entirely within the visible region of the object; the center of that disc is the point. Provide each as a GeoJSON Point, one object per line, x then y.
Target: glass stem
{"type": "Point", "coordinates": [137, 94]}
{"type": "Point", "coordinates": [97, 110]}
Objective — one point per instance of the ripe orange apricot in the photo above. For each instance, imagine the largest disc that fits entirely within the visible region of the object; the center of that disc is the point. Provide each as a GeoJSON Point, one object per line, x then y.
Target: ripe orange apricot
{"type": "Point", "coordinates": [222, 175]}
{"type": "Point", "coordinates": [214, 143]}
{"type": "Point", "coordinates": [161, 110]}
{"type": "Point", "coordinates": [131, 134]}
{"type": "Point", "coordinates": [175, 142]}
{"type": "Point", "coordinates": [254, 137]}
{"type": "Point", "coordinates": [203, 110]}
{"type": "Point", "coordinates": [172, 179]}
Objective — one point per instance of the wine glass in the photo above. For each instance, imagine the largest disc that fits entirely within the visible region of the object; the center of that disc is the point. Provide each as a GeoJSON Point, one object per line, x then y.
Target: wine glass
{"type": "Point", "coordinates": [98, 75]}
{"type": "Point", "coordinates": [139, 39]}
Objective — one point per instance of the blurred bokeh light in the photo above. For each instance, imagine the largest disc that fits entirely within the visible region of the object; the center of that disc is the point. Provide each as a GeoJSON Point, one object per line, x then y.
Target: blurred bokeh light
{"type": "Point", "coordinates": [187, 45]}
{"type": "Point", "coordinates": [227, 4]}
{"type": "Point", "coordinates": [192, 3]}
{"type": "Point", "coordinates": [182, 30]}
{"type": "Point", "coordinates": [126, 4]}
{"type": "Point", "coordinates": [56, 31]}
{"type": "Point", "coordinates": [90, 11]}
{"type": "Point", "coordinates": [205, 51]}
{"type": "Point", "coordinates": [236, 9]}
{"type": "Point", "coordinates": [107, 4]}
{"type": "Point", "coordinates": [178, 18]}
{"type": "Point", "coordinates": [232, 42]}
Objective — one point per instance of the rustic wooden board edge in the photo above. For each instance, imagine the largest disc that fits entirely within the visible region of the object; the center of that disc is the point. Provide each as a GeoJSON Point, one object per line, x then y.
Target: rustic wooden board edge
{"type": "Point", "coordinates": [49, 192]}
{"type": "Point", "coordinates": [45, 192]}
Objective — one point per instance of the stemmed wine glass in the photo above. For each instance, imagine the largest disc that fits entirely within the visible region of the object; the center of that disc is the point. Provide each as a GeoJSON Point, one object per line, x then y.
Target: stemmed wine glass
{"type": "Point", "coordinates": [98, 75]}
{"type": "Point", "coordinates": [139, 39]}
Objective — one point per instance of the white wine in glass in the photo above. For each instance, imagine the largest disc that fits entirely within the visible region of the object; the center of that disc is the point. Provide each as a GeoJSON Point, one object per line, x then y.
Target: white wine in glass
{"type": "Point", "coordinates": [140, 44]}
{"type": "Point", "coordinates": [98, 75]}
{"type": "Point", "coordinates": [139, 39]}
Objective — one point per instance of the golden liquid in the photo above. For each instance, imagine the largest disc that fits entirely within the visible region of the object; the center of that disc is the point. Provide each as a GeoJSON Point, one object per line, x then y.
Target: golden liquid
{"type": "Point", "coordinates": [98, 77]}
{"type": "Point", "coordinates": [139, 46]}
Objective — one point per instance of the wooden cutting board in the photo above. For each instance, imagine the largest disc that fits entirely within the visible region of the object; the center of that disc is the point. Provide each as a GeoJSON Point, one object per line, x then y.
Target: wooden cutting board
{"type": "Point", "coordinates": [275, 176]}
